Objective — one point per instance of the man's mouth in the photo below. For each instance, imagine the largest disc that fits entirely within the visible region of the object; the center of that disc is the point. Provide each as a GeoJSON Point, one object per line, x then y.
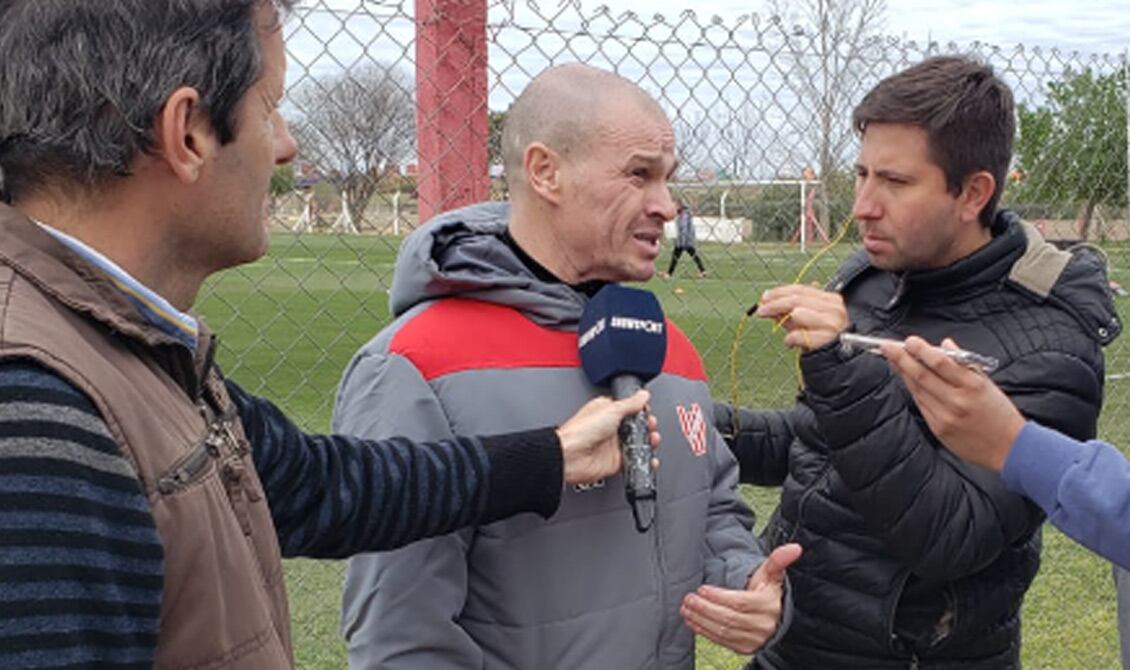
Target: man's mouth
{"type": "Point", "coordinates": [649, 239]}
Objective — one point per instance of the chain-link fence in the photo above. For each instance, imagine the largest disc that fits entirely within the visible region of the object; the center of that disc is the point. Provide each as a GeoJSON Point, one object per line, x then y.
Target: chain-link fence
{"type": "Point", "coordinates": [761, 109]}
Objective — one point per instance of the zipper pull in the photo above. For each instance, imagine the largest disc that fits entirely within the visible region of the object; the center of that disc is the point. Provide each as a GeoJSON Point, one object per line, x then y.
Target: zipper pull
{"type": "Point", "coordinates": [241, 451]}
{"type": "Point", "coordinates": [237, 445]}
{"type": "Point", "coordinates": [900, 288]}
{"type": "Point", "coordinates": [234, 480]}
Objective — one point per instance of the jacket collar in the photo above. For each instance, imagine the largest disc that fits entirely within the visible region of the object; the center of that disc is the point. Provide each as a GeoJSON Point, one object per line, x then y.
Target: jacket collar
{"type": "Point", "coordinates": [986, 266]}
{"type": "Point", "coordinates": [60, 272]}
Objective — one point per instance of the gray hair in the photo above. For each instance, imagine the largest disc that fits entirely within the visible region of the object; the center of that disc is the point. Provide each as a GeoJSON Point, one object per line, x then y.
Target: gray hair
{"type": "Point", "coordinates": [83, 81]}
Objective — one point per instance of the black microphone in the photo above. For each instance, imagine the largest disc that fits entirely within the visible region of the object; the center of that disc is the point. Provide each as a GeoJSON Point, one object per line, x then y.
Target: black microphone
{"type": "Point", "coordinates": [623, 342]}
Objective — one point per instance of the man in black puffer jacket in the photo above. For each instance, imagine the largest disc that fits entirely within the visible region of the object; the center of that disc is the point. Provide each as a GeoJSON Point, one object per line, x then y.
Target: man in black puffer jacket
{"type": "Point", "coordinates": [912, 558]}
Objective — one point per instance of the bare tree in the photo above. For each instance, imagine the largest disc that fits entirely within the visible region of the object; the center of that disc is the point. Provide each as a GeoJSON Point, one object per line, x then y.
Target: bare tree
{"type": "Point", "coordinates": [826, 44]}
{"type": "Point", "coordinates": [353, 126]}
{"type": "Point", "coordinates": [495, 122]}
{"type": "Point", "coordinates": [729, 144]}
{"type": "Point", "coordinates": [695, 146]}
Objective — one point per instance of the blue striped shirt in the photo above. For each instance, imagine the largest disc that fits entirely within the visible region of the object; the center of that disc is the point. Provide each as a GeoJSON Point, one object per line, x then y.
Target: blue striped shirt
{"type": "Point", "coordinates": [81, 563]}
{"type": "Point", "coordinates": [80, 559]}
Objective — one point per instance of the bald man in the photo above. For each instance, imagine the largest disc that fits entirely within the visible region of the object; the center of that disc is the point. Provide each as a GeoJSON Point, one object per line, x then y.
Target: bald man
{"type": "Point", "coordinates": [486, 301]}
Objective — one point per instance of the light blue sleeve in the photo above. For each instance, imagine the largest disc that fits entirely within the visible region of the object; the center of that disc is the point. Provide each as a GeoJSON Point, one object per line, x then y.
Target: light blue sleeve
{"type": "Point", "coordinates": [1083, 487]}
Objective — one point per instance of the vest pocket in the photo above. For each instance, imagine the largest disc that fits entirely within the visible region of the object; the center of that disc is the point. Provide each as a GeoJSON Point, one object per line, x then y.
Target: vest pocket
{"type": "Point", "coordinates": [187, 470]}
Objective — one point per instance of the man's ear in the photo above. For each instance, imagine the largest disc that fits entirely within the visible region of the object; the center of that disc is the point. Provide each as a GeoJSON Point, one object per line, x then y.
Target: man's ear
{"type": "Point", "coordinates": [185, 139]}
{"type": "Point", "coordinates": [975, 194]}
{"type": "Point", "coordinates": [543, 171]}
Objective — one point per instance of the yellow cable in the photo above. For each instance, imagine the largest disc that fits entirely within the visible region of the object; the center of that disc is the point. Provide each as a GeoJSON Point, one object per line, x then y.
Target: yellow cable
{"type": "Point", "coordinates": [844, 227]}
{"type": "Point", "coordinates": [734, 371]}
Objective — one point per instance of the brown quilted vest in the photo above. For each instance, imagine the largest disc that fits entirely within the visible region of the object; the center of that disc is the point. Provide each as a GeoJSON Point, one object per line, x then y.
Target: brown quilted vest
{"type": "Point", "coordinates": [224, 601]}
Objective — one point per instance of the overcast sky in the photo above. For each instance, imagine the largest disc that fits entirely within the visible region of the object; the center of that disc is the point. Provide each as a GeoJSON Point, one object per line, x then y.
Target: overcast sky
{"type": "Point", "coordinates": [730, 82]}
{"type": "Point", "coordinates": [1094, 26]}
{"type": "Point", "coordinates": [1086, 26]}
{"type": "Point", "coordinates": [1098, 26]}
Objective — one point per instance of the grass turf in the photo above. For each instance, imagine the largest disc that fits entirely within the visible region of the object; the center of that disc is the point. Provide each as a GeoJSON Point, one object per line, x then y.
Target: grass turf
{"type": "Point", "coordinates": [290, 322]}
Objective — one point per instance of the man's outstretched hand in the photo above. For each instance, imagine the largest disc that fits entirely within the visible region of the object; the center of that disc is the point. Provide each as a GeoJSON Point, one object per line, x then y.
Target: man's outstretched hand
{"type": "Point", "coordinates": [589, 439]}
{"type": "Point", "coordinates": [742, 620]}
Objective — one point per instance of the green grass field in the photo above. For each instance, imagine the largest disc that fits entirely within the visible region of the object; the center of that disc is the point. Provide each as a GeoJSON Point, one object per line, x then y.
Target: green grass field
{"type": "Point", "coordinates": [290, 322]}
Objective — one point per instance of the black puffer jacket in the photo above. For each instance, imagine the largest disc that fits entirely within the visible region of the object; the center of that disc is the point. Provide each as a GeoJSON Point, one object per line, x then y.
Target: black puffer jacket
{"type": "Point", "coordinates": [912, 557]}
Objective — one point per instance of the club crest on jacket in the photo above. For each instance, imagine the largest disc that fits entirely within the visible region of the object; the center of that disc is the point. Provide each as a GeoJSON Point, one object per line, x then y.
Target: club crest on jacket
{"type": "Point", "coordinates": [694, 427]}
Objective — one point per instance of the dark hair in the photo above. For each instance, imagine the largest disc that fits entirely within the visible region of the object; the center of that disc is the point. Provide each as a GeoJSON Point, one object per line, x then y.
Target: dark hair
{"type": "Point", "coordinates": [966, 111]}
{"type": "Point", "coordinates": [82, 81]}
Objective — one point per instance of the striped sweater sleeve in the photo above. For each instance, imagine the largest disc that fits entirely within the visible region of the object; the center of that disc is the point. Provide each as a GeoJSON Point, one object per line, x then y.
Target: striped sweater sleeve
{"type": "Point", "coordinates": [333, 496]}
{"type": "Point", "coordinates": [80, 560]}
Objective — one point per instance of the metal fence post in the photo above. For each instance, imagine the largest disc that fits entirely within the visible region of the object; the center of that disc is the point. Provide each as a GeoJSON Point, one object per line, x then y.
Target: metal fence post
{"type": "Point", "coordinates": [451, 104]}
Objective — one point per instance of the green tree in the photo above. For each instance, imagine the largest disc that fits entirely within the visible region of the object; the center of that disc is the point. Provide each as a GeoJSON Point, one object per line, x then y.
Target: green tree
{"type": "Point", "coordinates": [282, 180]}
{"type": "Point", "coordinates": [1072, 148]}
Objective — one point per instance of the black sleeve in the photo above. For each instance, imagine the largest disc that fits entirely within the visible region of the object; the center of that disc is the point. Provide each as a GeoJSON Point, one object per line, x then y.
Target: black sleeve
{"type": "Point", "coordinates": [759, 440]}
{"type": "Point", "coordinates": [81, 564]}
{"type": "Point", "coordinates": [942, 517]}
{"type": "Point", "coordinates": [333, 496]}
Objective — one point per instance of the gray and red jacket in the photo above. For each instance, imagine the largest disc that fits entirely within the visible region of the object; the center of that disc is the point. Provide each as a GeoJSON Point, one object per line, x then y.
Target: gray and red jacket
{"type": "Point", "coordinates": [480, 344]}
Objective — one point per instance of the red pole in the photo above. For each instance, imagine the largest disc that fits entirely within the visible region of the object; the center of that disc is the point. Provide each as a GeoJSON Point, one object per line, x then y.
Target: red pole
{"type": "Point", "coordinates": [451, 104]}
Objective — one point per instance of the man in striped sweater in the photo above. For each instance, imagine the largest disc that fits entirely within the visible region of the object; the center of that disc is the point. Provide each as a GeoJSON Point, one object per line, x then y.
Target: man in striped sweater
{"type": "Point", "coordinates": [146, 502]}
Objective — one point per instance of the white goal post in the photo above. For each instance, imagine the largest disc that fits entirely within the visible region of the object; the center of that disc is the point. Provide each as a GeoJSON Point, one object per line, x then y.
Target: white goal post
{"type": "Point", "coordinates": [725, 228]}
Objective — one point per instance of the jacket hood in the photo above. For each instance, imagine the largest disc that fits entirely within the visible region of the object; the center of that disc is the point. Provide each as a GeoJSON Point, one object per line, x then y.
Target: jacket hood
{"type": "Point", "coordinates": [1075, 280]}
{"type": "Point", "coordinates": [461, 253]}
{"type": "Point", "coordinates": [1075, 290]}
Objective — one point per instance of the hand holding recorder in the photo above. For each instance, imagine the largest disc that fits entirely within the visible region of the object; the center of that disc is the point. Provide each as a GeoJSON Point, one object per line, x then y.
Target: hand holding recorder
{"type": "Point", "coordinates": [875, 345]}
{"type": "Point", "coordinates": [965, 410]}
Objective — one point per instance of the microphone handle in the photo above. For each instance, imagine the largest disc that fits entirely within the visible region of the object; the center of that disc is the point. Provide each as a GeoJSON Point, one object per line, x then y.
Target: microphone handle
{"type": "Point", "coordinates": [639, 477]}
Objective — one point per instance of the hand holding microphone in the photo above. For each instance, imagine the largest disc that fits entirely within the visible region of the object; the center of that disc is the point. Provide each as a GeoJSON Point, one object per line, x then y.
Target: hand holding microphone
{"type": "Point", "coordinates": [623, 343]}
{"type": "Point", "coordinates": [590, 438]}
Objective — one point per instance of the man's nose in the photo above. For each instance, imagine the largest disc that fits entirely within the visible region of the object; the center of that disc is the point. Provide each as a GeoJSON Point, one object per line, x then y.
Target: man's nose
{"type": "Point", "coordinates": [665, 205]}
{"type": "Point", "coordinates": [866, 205]}
{"type": "Point", "coordinates": [286, 147]}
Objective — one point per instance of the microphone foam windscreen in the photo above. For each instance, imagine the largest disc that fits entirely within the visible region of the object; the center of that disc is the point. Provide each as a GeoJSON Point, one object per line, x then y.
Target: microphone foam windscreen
{"type": "Point", "coordinates": [622, 332]}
